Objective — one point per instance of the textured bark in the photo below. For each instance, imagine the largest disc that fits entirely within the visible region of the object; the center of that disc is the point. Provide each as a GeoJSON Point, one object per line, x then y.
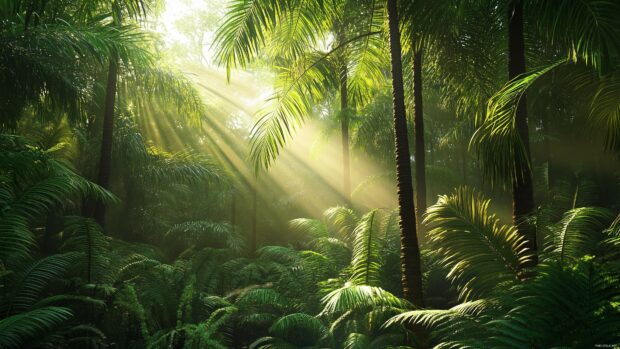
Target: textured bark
{"type": "Point", "coordinates": [105, 158]}
{"type": "Point", "coordinates": [522, 188]}
{"type": "Point", "coordinates": [420, 150]}
{"type": "Point", "coordinates": [410, 251]}
{"type": "Point", "coordinates": [344, 126]}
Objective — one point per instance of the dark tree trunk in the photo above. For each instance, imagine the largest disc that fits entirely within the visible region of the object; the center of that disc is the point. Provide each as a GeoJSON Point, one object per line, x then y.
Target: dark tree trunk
{"type": "Point", "coordinates": [522, 189]}
{"type": "Point", "coordinates": [410, 252]}
{"type": "Point", "coordinates": [420, 150]}
{"type": "Point", "coordinates": [344, 126]}
{"type": "Point", "coordinates": [105, 158]}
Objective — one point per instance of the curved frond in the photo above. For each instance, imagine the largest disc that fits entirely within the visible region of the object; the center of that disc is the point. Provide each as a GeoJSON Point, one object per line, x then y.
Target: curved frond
{"type": "Point", "coordinates": [480, 252]}
{"type": "Point", "coordinates": [18, 330]}
{"type": "Point", "coordinates": [497, 141]}
{"type": "Point", "coordinates": [578, 233]}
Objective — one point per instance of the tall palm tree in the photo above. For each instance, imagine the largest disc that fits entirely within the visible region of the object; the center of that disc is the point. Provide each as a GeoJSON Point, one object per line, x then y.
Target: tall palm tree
{"type": "Point", "coordinates": [105, 157]}
{"type": "Point", "coordinates": [410, 251]}
{"type": "Point", "coordinates": [576, 31]}
{"type": "Point", "coordinates": [522, 186]}
{"type": "Point", "coordinates": [418, 121]}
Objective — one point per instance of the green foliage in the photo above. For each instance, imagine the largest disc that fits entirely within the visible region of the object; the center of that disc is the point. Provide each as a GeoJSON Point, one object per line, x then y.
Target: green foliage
{"type": "Point", "coordinates": [21, 329]}
{"type": "Point", "coordinates": [480, 252]}
{"type": "Point", "coordinates": [169, 267]}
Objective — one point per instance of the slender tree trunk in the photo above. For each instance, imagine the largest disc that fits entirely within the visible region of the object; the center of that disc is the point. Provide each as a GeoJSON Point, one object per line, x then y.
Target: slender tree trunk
{"type": "Point", "coordinates": [420, 150]}
{"type": "Point", "coordinates": [252, 243]}
{"type": "Point", "coordinates": [344, 126]}
{"type": "Point", "coordinates": [410, 251]}
{"type": "Point", "coordinates": [105, 158]}
{"type": "Point", "coordinates": [522, 188]}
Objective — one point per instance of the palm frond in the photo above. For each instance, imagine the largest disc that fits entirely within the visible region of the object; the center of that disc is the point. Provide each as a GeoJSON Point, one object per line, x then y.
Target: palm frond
{"type": "Point", "coordinates": [343, 219]}
{"type": "Point", "coordinates": [480, 252]}
{"type": "Point", "coordinates": [17, 331]}
{"type": "Point", "coordinates": [366, 259]}
{"type": "Point", "coordinates": [497, 141]}
{"type": "Point", "coordinates": [578, 233]}
{"type": "Point", "coordinates": [299, 329]}
{"type": "Point", "coordinates": [360, 298]}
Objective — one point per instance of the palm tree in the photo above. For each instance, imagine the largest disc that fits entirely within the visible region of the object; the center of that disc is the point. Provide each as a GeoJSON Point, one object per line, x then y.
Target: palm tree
{"type": "Point", "coordinates": [581, 32]}
{"type": "Point", "coordinates": [522, 186]}
{"type": "Point", "coordinates": [410, 251]}
{"type": "Point", "coordinates": [294, 32]}
{"type": "Point", "coordinates": [486, 274]}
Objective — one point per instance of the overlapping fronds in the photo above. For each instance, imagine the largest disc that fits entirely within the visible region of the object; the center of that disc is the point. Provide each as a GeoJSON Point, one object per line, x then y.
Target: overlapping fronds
{"type": "Point", "coordinates": [28, 283]}
{"type": "Point", "coordinates": [51, 63]}
{"type": "Point", "coordinates": [180, 167]}
{"type": "Point", "coordinates": [244, 33]}
{"type": "Point", "coordinates": [169, 89]}
{"type": "Point", "coordinates": [343, 219]}
{"type": "Point", "coordinates": [305, 80]}
{"type": "Point", "coordinates": [480, 252]}
{"type": "Point", "coordinates": [196, 233]}
{"type": "Point", "coordinates": [586, 29]}
{"type": "Point", "coordinates": [86, 237]}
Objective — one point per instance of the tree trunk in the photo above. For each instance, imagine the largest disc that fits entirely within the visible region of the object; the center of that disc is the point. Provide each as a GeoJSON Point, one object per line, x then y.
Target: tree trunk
{"type": "Point", "coordinates": [344, 126]}
{"type": "Point", "coordinates": [252, 243]}
{"type": "Point", "coordinates": [410, 252]}
{"type": "Point", "coordinates": [105, 158]}
{"type": "Point", "coordinates": [420, 151]}
{"type": "Point", "coordinates": [522, 189]}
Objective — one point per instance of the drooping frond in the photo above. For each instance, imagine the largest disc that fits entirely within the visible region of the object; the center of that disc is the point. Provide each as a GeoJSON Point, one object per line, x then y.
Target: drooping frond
{"type": "Point", "coordinates": [605, 110]}
{"type": "Point", "coordinates": [359, 298]}
{"type": "Point", "coordinates": [480, 252]}
{"type": "Point", "coordinates": [578, 233]}
{"type": "Point", "coordinates": [244, 33]}
{"type": "Point", "coordinates": [28, 284]}
{"type": "Point", "coordinates": [586, 28]}
{"type": "Point", "coordinates": [307, 79]}
{"type": "Point", "coordinates": [299, 329]}
{"type": "Point", "coordinates": [497, 141]}
{"type": "Point", "coordinates": [18, 330]}
{"type": "Point", "coordinates": [180, 167]}
{"type": "Point", "coordinates": [312, 228]}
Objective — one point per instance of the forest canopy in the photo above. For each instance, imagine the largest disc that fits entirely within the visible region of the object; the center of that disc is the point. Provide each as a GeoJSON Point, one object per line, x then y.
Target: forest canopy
{"type": "Point", "coordinates": [281, 174]}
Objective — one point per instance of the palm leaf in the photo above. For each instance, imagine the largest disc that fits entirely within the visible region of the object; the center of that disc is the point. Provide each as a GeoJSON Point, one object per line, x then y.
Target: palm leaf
{"type": "Point", "coordinates": [479, 251]}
